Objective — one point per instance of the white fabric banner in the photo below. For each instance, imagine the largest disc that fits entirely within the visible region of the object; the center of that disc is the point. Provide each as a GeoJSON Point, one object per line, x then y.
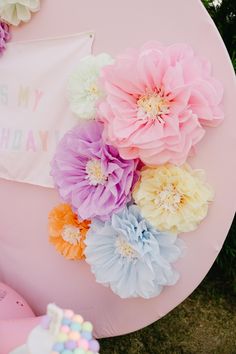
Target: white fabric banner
{"type": "Point", "coordinates": [34, 112]}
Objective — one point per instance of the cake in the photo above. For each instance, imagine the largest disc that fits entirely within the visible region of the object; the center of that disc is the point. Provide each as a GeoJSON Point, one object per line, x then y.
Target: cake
{"type": "Point", "coordinates": [60, 332]}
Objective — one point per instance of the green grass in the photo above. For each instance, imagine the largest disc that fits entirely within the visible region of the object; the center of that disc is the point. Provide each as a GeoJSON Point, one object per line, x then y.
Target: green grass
{"type": "Point", "coordinates": [204, 323]}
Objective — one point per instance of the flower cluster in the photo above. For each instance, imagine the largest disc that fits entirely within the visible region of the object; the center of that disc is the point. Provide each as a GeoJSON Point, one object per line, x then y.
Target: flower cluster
{"type": "Point", "coordinates": [123, 167]}
{"type": "Point", "coordinates": [12, 12]}
{"type": "Point", "coordinates": [16, 11]}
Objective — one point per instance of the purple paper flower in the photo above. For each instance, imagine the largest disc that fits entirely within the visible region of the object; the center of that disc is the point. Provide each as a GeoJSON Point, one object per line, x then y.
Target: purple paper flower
{"type": "Point", "coordinates": [91, 175]}
{"type": "Point", "coordinates": [4, 36]}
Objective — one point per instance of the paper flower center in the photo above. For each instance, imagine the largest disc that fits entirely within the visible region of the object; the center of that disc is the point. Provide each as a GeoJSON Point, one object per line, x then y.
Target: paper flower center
{"type": "Point", "coordinates": [125, 249]}
{"type": "Point", "coordinates": [93, 90]}
{"type": "Point", "coordinates": [95, 173]}
{"type": "Point", "coordinates": [169, 199]}
{"type": "Point", "coordinates": [71, 234]}
{"type": "Point", "coordinates": [153, 105]}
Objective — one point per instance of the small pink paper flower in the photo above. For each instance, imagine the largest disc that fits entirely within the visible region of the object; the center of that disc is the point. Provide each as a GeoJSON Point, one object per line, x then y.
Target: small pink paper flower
{"type": "Point", "coordinates": [158, 101]}
{"type": "Point", "coordinates": [4, 36]}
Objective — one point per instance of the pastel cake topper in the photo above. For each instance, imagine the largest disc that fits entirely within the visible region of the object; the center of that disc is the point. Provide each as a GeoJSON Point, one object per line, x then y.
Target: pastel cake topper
{"type": "Point", "coordinates": [60, 332]}
{"type": "Point", "coordinates": [55, 316]}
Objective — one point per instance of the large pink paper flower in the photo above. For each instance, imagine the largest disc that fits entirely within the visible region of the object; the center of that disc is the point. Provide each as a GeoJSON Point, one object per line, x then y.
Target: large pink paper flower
{"type": "Point", "coordinates": [158, 101]}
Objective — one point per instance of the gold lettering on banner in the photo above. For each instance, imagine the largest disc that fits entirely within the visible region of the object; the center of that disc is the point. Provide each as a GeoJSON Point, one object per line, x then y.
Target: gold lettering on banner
{"type": "Point", "coordinates": [23, 96]}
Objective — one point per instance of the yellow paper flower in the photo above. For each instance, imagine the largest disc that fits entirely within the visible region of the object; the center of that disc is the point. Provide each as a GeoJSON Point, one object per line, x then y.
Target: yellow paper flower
{"type": "Point", "coordinates": [67, 233]}
{"type": "Point", "coordinates": [173, 198]}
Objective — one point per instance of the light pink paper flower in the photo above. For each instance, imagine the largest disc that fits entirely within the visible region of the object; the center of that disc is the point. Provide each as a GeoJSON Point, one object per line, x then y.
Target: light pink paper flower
{"type": "Point", "coordinates": [158, 101]}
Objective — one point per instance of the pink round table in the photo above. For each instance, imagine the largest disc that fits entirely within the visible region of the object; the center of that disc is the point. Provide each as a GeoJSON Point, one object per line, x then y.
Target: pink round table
{"type": "Point", "coordinates": [27, 262]}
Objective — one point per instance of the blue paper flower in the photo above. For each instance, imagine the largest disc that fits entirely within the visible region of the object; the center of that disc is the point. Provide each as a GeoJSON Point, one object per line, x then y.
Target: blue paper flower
{"type": "Point", "coordinates": [129, 255]}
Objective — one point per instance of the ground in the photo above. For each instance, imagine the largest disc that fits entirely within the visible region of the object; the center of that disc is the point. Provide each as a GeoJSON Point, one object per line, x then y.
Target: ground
{"type": "Point", "coordinates": [205, 323]}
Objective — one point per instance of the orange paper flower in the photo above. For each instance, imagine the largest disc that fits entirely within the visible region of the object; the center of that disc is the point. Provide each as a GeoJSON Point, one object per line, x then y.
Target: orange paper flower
{"type": "Point", "coordinates": [67, 233]}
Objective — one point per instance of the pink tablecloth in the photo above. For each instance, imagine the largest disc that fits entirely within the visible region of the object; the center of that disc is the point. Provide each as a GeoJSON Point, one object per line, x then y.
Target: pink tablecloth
{"type": "Point", "coordinates": [27, 262]}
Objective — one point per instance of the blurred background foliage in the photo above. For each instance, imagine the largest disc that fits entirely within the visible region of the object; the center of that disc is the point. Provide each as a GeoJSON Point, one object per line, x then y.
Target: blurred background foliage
{"type": "Point", "coordinates": [223, 13]}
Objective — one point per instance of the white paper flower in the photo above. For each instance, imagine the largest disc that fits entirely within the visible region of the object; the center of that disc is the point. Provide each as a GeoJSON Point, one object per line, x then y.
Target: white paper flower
{"type": "Point", "coordinates": [84, 91]}
{"type": "Point", "coordinates": [15, 11]}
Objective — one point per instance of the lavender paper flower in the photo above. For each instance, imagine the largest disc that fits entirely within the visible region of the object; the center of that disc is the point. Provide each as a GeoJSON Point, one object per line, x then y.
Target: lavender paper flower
{"type": "Point", "coordinates": [90, 175]}
{"type": "Point", "coordinates": [132, 257]}
{"type": "Point", "coordinates": [4, 36]}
